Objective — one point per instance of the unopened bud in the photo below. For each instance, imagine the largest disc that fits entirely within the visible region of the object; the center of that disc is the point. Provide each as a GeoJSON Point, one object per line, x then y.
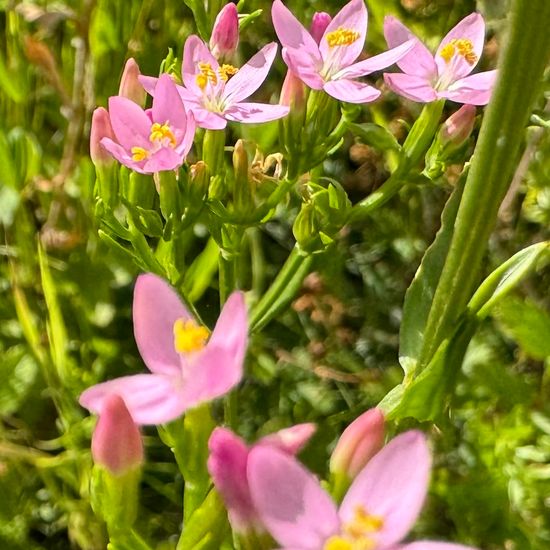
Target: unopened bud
{"type": "Point", "coordinates": [290, 440]}
{"type": "Point", "coordinates": [458, 127]}
{"type": "Point", "coordinates": [243, 192]}
{"type": "Point", "coordinates": [319, 23]}
{"type": "Point", "coordinates": [225, 33]}
{"type": "Point", "coordinates": [359, 442]}
{"type": "Point", "coordinates": [130, 86]}
{"type": "Point", "coordinates": [199, 180]}
{"type": "Point", "coordinates": [101, 127]}
{"type": "Point", "coordinates": [116, 442]}
{"type": "Point", "coordinates": [293, 93]}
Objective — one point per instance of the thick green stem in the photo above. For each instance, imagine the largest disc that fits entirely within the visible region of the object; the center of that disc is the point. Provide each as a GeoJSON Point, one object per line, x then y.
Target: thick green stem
{"type": "Point", "coordinates": [521, 68]}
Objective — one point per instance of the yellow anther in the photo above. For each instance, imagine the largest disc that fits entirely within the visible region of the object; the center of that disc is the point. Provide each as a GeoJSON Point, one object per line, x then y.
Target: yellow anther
{"type": "Point", "coordinates": [139, 153]}
{"type": "Point", "coordinates": [160, 132]}
{"type": "Point", "coordinates": [188, 336]}
{"type": "Point", "coordinates": [447, 52]}
{"type": "Point", "coordinates": [201, 80]}
{"type": "Point", "coordinates": [462, 46]}
{"type": "Point", "coordinates": [207, 74]}
{"type": "Point", "coordinates": [341, 543]}
{"type": "Point", "coordinates": [341, 37]}
{"type": "Point", "coordinates": [357, 534]}
{"type": "Point", "coordinates": [227, 71]}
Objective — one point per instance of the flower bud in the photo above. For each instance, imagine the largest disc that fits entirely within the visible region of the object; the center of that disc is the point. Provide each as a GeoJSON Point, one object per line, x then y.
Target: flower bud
{"type": "Point", "coordinates": [225, 33]}
{"type": "Point", "coordinates": [101, 127]}
{"type": "Point", "coordinates": [130, 86]}
{"type": "Point", "coordinates": [116, 442]}
{"type": "Point", "coordinates": [359, 442]}
{"type": "Point", "coordinates": [243, 192]}
{"type": "Point", "coordinates": [319, 23]}
{"type": "Point", "coordinates": [199, 180]}
{"type": "Point", "coordinates": [290, 440]}
{"type": "Point", "coordinates": [293, 93]}
{"type": "Point", "coordinates": [458, 127]}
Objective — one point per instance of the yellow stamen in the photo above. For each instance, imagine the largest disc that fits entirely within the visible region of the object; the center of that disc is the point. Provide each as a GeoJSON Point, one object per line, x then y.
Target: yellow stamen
{"type": "Point", "coordinates": [139, 153]}
{"type": "Point", "coordinates": [207, 74]}
{"type": "Point", "coordinates": [188, 336]}
{"type": "Point", "coordinates": [227, 71]}
{"type": "Point", "coordinates": [357, 534]}
{"type": "Point", "coordinates": [462, 46]}
{"type": "Point", "coordinates": [341, 37]}
{"type": "Point", "coordinates": [159, 132]}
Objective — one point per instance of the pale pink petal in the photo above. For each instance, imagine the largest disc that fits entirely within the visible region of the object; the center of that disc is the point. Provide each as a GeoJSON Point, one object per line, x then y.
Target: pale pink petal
{"type": "Point", "coordinates": [392, 486]}
{"type": "Point", "coordinates": [353, 16]}
{"type": "Point", "coordinates": [168, 106]}
{"type": "Point", "coordinates": [472, 28]}
{"type": "Point", "coordinates": [250, 76]}
{"type": "Point", "coordinates": [290, 440]}
{"type": "Point", "coordinates": [412, 87]}
{"type": "Point", "coordinates": [162, 160]}
{"type": "Point", "coordinates": [291, 32]}
{"type": "Point", "coordinates": [419, 61]}
{"type": "Point", "coordinates": [187, 140]}
{"type": "Point", "coordinates": [291, 503]}
{"type": "Point", "coordinates": [351, 91]}
{"type": "Point", "coordinates": [122, 155]}
{"type": "Point", "coordinates": [254, 113]}
{"type": "Point", "coordinates": [156, 308]}
{"type": "Point", "coordinates": [130, 123]}
{"type": "Point", "coordinates": [475, 89]}
{"type": "Point", "coordinates": [434, 545]}
{"type": "Point", "coordinates": [304, 67]}
{"type": "Point", "coordinates": [149, 83]}
{"type": "Point", "coordinates": [195, 51]}
{"type": "Point", "coordinates": [207, 119]}
{"type": "Point", "coordinates": [376, 63]}
{"type": "Point", "coordinates": [150, 398]}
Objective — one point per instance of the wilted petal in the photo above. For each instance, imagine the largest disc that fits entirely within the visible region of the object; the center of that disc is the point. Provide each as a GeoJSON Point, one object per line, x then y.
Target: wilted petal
{"type": "Point", "coordinates": [471, 28]}
{"type": "Point", "coordinates": [377, 62]}
{"type": "Point", "coordinates": [392, 486]}
{"type": "Point", "coordinates": [290, 501]}
{"type": "Point", "coordinates": [130, 123]}
{"type": "Point", "coordinates": [251, 75]}
{"type": "Point", "coordinates": [412, 87]}
{"type": "Point", "coordinates": [150, 398]}
{"type": "Point", "coordinates": [304, 66]}
{"type": "Point", "coordinates": [419, 61]}
{"type": "Point", "coordinates": [353, 16]}
{"type": "Point", "coordinates": [290, 440]}
{"type": "Point", "coordinates": [475, 89]}
{"type": "Point", "coordinates": [351, 91]}
{"type": "Point", "coordinates": [195, 51]}
{"type": "Point", "coordinates": [156, 308]}
{"type": "Point", "coordinates": [254, 113]}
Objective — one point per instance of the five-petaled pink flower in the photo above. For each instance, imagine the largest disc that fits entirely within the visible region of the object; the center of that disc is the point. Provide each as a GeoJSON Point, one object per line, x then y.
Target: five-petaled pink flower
{"type": "Point", "coordinates": [188, 365]}
{"type": "Point", "coordinates": [377, 512]}
{"type": "Point", "coordinates": [330, 64]}
{"type": "Point", "coordinates": [427, 77]}
{"type": "Point", "coordinates": [215, 93]}
{"type": "Point", "coordinates": [153, 140]}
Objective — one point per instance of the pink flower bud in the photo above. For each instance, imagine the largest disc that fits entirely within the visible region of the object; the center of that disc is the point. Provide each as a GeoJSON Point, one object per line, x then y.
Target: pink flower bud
{"type": "Point", "coordinates": [129, 83]}
{"type": "Point", "coordinates": [116, 442]}
{"type": "Point", "coordinates": [101, 127]}
{"type": "Point", "coordinates": [290, 440]}
{"type": "Point", "coordinates": [293, 92]}
{"type": "Point", "coordinates": [319, 23]}
{"type": "Point", "coordinates": [359, 442]}
{"type": "Point", "coordinates": [458, 127]}
{"type": "Point", "coordinates": [225, 34]}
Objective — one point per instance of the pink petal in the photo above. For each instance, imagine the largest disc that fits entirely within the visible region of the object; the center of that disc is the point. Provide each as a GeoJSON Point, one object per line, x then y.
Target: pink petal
{"type": "Point", "coordinates": [195, 51]}
{"type": "Point", "coordinates": [254, 113]}
{"type": "Point", "coordinates": [149, 83]}
{"type": "Point", "coordinates": [219, 367]}
{"type": "Point", "coordinates": [168, 106]}
{"type": "Point", "coordinates": [304, 66]}
{"type": "Point", "coordinates": [130, 123]}
{"type": "Point", "coordinates": [150, 398]}
{"type": "Point", "coordinates": [291, 503]}
{"type": "Point", "coordinates": [392, 486]}
{"type": "Point", "coordinates": [353, 16]}
{"type": "Point", "coordinates": [291, 32]}
{"type": "Point", "coordinates": [419, 61]}
{"type": "Point", "coordinates": [434, 545]}
{"type": "Point", "coordinates": [472, 28]}
{"type": "Point", "coordinates": [187, 141]}
{"type": "Point", "coordinates": [290, 440]}
{"type": "Point", "coordinates": [122, 155]}
{"type": "Point", "coordinates": [475, 89]}
{"type": "Point", "coordinates": [351, 91]}
{"type": "Point", "coordinates": [207, 119]}
{"type": "Point", "coordinates": [377, 62]}
{"type": "Point", "coordinates": [162, 160]}
{"type": "Point", "coordinates": [250, 76]}
{"type": "Point", "coordinates": [156, 308]}
{"type": "Point", "coordinates": [412, 87]}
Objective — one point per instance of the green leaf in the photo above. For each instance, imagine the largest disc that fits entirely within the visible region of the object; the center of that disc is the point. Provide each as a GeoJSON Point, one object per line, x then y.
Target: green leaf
{"type": "Point", "coordinates": [201, 17]}
{"type": "Point", "coordinates": [9, 203]}
{"type": "Point", "coordinates": [201, 272]}
{"type": "Point", "coordinates": [376, 136]}
{"type": "Point", "coordinates": [18, 371]}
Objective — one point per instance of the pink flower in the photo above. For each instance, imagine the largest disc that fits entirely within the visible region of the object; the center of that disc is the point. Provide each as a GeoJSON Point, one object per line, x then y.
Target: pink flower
{"type": "Point", "coordinates": [330, 64]}
{"type": "Point", "coordinates": [215, 93]}
{"type": "Point", "coordinates": [227, 464]}
{"type": "Point", "coordinates": [116, 442]}
{"type": "Point", "coordinates": [225, 33]}
{"type": "Point", "coordinates": [153, 140]}
{"type": "Point", "coordinates": [129, 84]}
{"type": "Point", "coordinates": [101, 128]}
{"type": "Point", "coordinates": [427, 77]}
{"type": "Point", "coordinates": [188, 365]}
{"type": "Point", "coordinates": [377, 512]}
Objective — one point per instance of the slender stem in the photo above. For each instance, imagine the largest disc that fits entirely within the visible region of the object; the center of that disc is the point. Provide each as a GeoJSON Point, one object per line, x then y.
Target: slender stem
{"type": "Point", "coordinates": [521, 68]}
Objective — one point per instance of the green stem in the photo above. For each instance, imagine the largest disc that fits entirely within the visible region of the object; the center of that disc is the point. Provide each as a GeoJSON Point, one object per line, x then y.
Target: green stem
{"type": "Point", "coordinates": [213, 151]}
{"type": "Point", "coordinates": [521, 68]}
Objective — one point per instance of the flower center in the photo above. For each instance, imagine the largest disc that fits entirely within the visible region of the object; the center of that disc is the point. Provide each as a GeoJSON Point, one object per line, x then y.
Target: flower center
{"type": "Point", "coordinates": [341, 37]}
{"type": "Point", "coordinates": [357, 534]}
{"type": "Point", "coordinates": [207, 74]}
{"type": "Point", "coordinates": [227, 71]}
{"type": "Point", "coordinates": [462, 47]}
{"type": "Point", "coordinates": [189, 336]}
{"type": "Point", "coordinates": [161, 132]}
{"type": "Point", "coordinates": [139, 153]}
